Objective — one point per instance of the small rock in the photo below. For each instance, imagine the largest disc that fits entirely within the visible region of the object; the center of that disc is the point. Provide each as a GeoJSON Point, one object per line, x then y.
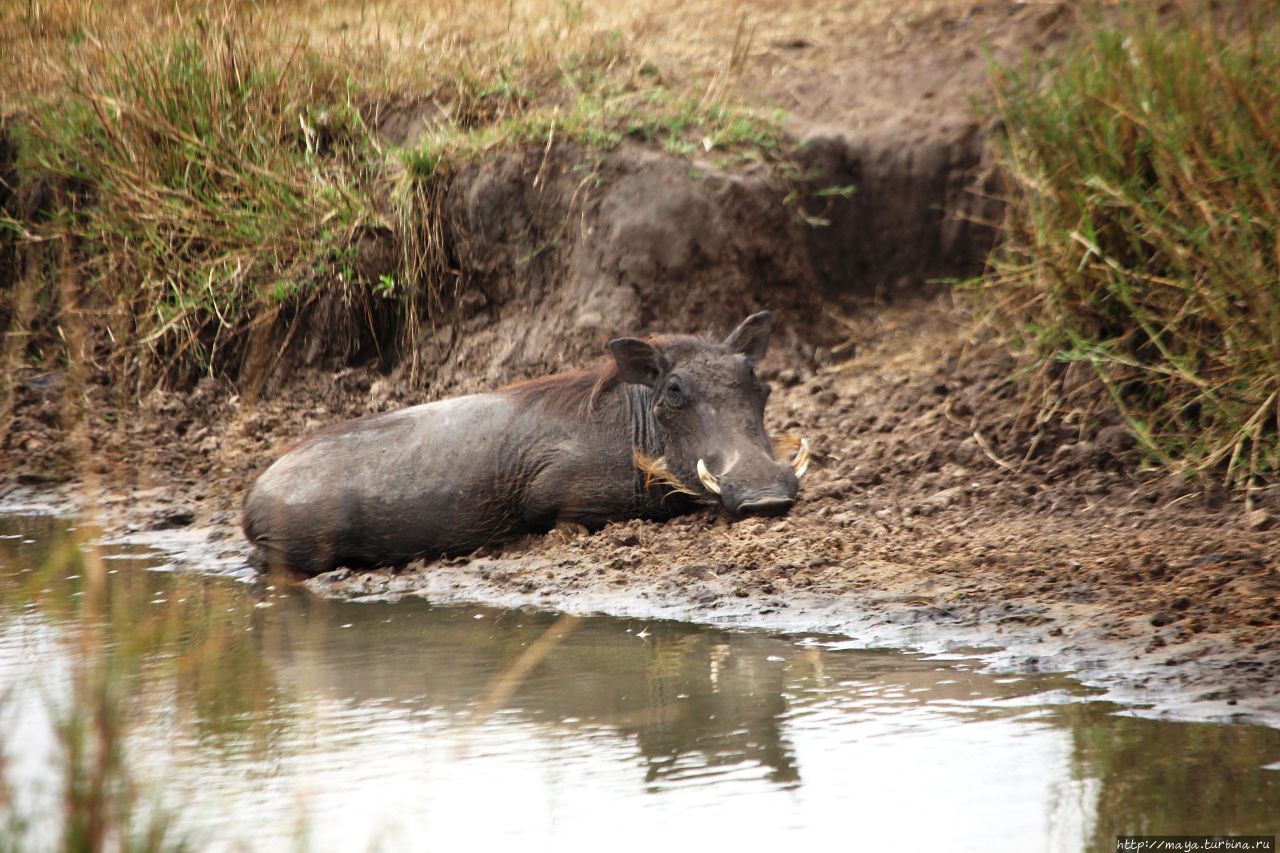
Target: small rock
{"type": "Point", "coordinates": [862, 475]}
{"type": "Point", "coordinates": [940, 501]}
{"type": "Point", "coordinates": [1115, 439]}
{"type": "Point", "coordinates": [625, 537]}
{"type": "Point", "coordinates": [170, 518]}
{"type": "Point", "coordinates": [1161, 619]}
{"type": "Point", "coordinates": [1084, 451]}
{"type": "Point", "coordinates": [695, 571]}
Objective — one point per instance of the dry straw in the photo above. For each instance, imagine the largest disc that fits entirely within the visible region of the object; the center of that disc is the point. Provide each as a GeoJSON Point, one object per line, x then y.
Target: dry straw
{"type": "Point", "coordinates": [219, 170]}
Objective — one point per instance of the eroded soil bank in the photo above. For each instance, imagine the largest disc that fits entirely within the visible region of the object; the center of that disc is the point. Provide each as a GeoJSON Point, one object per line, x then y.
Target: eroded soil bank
{"type": "Point", "coordinates": [940, 510]}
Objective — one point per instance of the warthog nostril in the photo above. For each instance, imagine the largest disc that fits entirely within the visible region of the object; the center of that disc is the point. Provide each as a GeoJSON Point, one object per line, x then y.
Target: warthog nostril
{"type": "Point", "coordinates": [770, 505]}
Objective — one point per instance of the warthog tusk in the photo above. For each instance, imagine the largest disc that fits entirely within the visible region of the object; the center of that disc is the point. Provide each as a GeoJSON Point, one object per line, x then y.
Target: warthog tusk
{"type": "Point", "coordinates": [800, 462]}
{"type": "Point", "coordinates": [707, 478]}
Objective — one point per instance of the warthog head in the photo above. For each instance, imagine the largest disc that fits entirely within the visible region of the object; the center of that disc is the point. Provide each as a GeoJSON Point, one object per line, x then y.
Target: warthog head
{"type": "Point", "coordinates": [708, 412]}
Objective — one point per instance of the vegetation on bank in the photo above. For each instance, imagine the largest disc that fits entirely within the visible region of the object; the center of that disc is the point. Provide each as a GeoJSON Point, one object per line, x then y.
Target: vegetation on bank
{"type": "Point", "coordinates": [185, 175]}
{"type": "Point", "coordinates": [1142, 234]}
{"type": "Point", "coordinates": [198, 178]}
{"type": "Point", "coordinates": [196, 183]}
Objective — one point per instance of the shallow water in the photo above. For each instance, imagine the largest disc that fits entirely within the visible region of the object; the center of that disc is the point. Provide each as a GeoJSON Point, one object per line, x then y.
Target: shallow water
{"type": "Point", "coordinates": [263, 718]}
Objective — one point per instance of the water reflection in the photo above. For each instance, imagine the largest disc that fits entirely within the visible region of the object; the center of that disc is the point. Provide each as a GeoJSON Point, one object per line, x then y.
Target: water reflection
{"type": "Point", "coordinates": [676, 691]}
{"type": "Point", "coordinates": [269, 714]}
{"type": "Point", "coordinates": [1194, 776]}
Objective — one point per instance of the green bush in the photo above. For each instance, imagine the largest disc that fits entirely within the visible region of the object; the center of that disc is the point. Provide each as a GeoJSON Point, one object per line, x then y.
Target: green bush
{"type": "Point", "coordinates": [1142, 176]}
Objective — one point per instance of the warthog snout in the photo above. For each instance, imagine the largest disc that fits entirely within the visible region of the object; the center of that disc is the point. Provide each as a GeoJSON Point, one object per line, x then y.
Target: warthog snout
{"type": "Point", "coordinates": [766, 489]}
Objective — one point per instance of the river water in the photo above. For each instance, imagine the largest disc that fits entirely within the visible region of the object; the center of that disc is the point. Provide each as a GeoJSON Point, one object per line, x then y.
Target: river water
{"type": "Point", "coordinates": [255, 717]}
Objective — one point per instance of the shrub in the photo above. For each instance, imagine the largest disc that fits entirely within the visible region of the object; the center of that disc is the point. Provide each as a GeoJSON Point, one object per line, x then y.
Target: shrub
{"type": "Point", "coordinates": [1142, 173]}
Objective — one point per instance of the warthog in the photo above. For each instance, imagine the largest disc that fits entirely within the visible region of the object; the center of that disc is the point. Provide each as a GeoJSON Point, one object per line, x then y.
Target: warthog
{"type": "Point", "coordinates": [664, 426]}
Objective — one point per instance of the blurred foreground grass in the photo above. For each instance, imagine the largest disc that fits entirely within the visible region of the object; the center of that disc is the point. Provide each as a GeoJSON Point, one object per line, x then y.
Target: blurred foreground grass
{"type": "Point", "coordinates": [132, 641]}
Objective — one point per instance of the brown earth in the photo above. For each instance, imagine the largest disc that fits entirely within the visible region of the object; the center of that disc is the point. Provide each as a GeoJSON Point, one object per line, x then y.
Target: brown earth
{"type": "Point", "coordinates": [941, 511]}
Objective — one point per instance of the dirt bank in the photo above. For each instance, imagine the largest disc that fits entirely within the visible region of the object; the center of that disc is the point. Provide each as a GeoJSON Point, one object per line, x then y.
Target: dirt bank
{"type": "Point", "coordinates": [935, 517]}
{"type": "Point", "coordinates": [940, 511]}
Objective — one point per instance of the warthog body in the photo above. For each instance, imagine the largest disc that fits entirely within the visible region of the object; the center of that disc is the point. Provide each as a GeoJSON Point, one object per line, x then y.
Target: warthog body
{"type": "Point", "coordinates": [662, 427]}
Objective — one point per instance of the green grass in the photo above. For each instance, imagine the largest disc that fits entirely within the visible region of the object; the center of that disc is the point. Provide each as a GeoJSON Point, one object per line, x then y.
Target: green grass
{"type": "Point", "coordinates": [602, 120]}
{"type": "Point", "coordinates": [1142, 236]}
{"type": "Point", "coordinates": [198, 182]}
{"type": "Point", "coordinates": [203, 181]}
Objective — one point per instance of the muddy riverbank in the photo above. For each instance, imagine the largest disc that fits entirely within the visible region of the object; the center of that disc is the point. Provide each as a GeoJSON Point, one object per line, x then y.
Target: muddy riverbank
{"type": "Point", "coordinates": [940, 511]}
{"type": "Point", "coordinates": [934, 517]}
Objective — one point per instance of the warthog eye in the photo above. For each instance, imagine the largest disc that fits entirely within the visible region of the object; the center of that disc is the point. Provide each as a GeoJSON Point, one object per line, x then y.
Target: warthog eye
{"type": "Point", "coordinates": [674, 395]}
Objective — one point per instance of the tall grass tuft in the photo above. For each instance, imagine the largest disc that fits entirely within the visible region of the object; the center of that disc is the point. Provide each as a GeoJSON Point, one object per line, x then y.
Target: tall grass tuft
{"type": "Point", "coordinates": [1142, 234]}
{"type": "Point", "coordinates": [202, 183]}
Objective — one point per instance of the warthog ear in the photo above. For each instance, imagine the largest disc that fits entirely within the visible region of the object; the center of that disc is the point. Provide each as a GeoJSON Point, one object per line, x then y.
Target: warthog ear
{"type": "Point", "coordinates": [638, 362]}
{"type": "Point", "coordinates": [751, 338]}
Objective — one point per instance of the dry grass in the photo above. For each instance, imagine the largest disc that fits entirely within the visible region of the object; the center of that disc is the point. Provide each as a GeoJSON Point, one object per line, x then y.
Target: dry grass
{"type": "Point", "coordinates": [658, 476]}
{"type": "Point", "coordinates": [1143, 233]}
{"type": "Point", "coordinates": [215, 165]}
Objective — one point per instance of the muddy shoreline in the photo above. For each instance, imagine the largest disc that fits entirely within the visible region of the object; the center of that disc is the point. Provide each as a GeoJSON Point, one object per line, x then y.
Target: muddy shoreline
{"type": "Point", "coordinates": [934, 518]}
{"type": "Point", "coordinates": [1212, 679]}
{"type": "Point", "coordinates": [941, 511]}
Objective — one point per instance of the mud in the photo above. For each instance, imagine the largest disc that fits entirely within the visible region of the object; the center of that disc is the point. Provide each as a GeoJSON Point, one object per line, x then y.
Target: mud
{"type": "Point", "coordinates": [941, 511]}
{"type": "Point", "coordinates": [934, 521]}
{"type": "Point", "coordinates": [934, 518]}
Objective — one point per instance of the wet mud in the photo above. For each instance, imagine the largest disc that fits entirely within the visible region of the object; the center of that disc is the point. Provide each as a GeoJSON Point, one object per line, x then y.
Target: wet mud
{"type": "Point", "coordinates": [941, 511]}
{"type": "Point", "coordinates": [933, 517]}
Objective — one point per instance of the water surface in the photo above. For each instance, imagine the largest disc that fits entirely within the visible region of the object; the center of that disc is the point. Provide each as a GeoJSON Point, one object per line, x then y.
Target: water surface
{"type": "Point", "coordinates": [264, 718]}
